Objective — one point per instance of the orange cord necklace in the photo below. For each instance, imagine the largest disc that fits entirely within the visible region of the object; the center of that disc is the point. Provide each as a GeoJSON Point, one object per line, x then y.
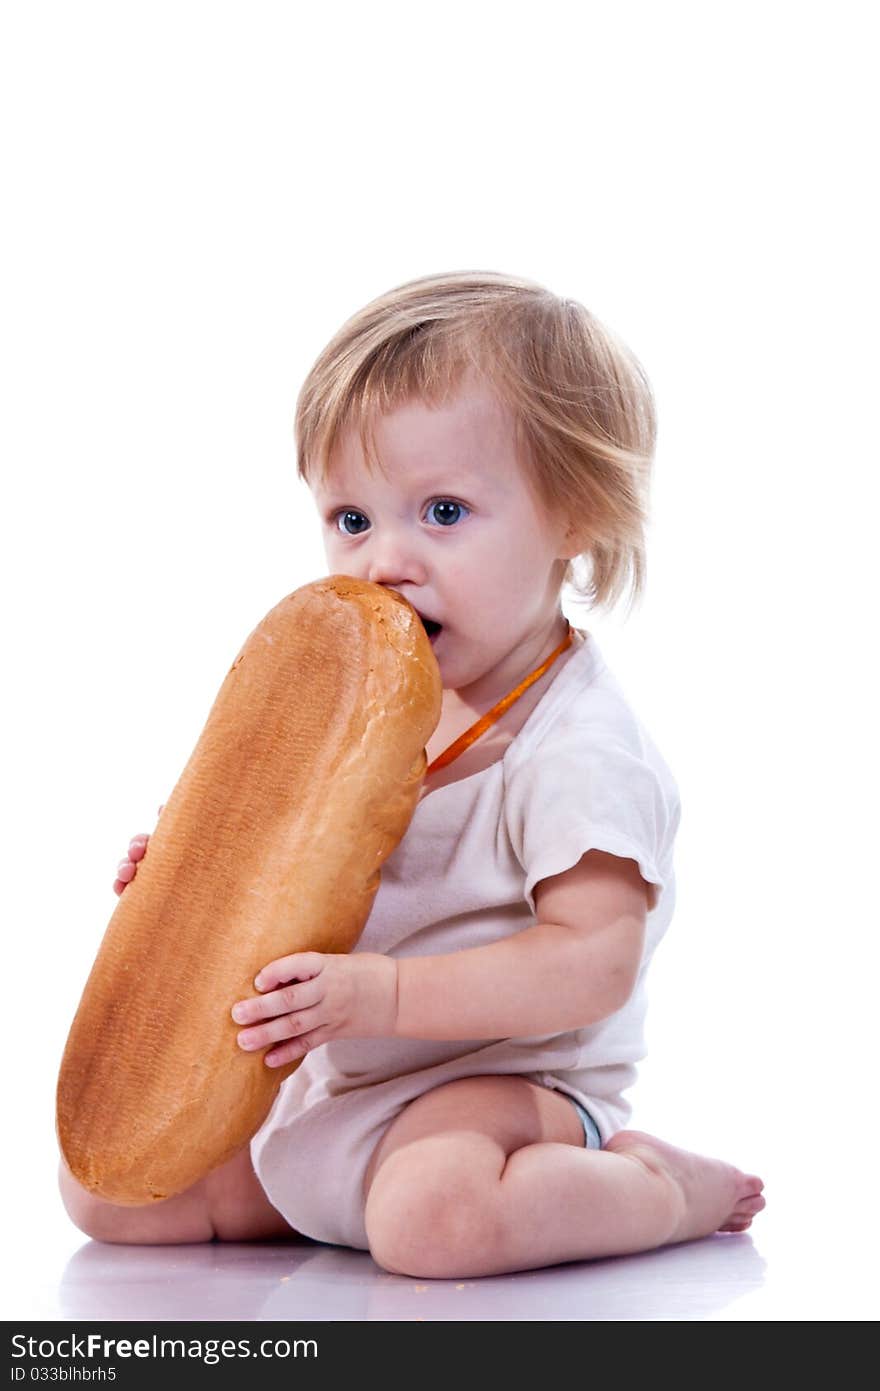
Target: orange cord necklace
{"type": "Point", "coordinates": [465, 740]}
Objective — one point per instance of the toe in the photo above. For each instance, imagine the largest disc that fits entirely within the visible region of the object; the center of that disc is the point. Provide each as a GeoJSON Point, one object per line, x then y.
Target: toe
{"type": "Point", "coordinates": [752, 1204]}
{"type": "Point", "coordinates": [741, 1217]}
{"type": "Point", "coordinates": [739, 1224]}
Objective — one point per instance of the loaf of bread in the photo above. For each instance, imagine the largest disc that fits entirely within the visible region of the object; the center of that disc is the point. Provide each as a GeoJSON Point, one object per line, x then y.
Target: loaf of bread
{"type": "Point", "coordinates": [304, 779]}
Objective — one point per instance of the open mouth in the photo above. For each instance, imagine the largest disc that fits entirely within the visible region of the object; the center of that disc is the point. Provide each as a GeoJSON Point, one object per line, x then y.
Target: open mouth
{"type": "Point", "coordinates": [431, 627]}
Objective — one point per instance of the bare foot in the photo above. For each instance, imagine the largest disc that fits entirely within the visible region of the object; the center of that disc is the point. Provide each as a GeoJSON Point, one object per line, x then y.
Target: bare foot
{"type": "Point", "coordinates": [717, 1197]}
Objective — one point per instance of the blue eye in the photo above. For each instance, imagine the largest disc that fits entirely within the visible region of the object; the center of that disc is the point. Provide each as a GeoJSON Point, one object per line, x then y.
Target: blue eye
{"type": "Point", "coordinates": [343, 517]}
{"type": "Point", "coordinates": [447, 503]}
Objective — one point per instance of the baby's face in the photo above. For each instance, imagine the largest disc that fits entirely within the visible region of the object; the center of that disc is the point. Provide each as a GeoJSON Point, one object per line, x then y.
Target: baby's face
{"type": "Point", "coordinates": [454, 528]}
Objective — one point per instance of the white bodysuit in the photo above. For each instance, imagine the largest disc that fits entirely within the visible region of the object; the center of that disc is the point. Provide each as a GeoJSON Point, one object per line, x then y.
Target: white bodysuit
{"type": "Point", "coordinates": [581, 774]}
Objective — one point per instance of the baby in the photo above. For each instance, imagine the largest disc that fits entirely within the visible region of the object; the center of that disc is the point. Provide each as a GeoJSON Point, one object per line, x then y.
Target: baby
{"type": "Point", "coordinates": [475, 442]}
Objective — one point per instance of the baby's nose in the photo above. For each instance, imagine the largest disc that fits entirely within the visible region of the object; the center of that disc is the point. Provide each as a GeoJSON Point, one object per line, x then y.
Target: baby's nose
{"type": "Point", "coordinates": [397, 568]}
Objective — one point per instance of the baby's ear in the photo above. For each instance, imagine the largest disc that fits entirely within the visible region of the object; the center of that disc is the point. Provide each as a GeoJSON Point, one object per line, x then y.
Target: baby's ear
{"type": "Point", "coordinates": [572, 542]}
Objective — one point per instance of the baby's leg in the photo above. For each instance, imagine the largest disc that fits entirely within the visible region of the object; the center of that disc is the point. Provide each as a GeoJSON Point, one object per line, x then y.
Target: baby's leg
{"type": "Point", "coordinates": [488, 1174]}
{"type": "Point", "coordinates": [229, 1204]}
{"type": "Point", "coordinates": [635, 1194]}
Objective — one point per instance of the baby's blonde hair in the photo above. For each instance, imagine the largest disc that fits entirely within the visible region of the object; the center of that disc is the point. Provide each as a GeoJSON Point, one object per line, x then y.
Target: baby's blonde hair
{"type": "Point", "coordinates": [582, 405]}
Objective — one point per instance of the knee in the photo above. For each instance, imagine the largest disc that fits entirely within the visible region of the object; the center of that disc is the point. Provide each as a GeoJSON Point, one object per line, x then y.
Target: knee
{"type": "Point", "coordinates": [159, 1223]}
{"type": "Point", "coordinates": [92, 1215]}
{"type": "Point", "coordinates": [428, 1224]}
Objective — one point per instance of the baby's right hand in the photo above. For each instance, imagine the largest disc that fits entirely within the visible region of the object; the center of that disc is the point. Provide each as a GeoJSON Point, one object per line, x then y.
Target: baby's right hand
{"type": "Point", "coordinates": [127, 869]}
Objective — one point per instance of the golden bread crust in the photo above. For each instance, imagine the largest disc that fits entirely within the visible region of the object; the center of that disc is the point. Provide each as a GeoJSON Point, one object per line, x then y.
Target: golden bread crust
{"type": "Point", "coordinates": [303, 781]}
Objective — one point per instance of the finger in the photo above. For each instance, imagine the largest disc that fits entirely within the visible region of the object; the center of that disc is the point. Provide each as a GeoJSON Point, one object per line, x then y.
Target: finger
{"type": "Point", "coordinates": [278, 1030]}
{"type": "Point", "coordinates": [290, 998]}
{"type": "Point", "coordinates": [118, 886]}
{"type": "Point", "coordinates": [161, 809]}
{"type": "Point", "coordinates": [126, 871]}
{"type": "Point", "coordinates": [137, 848]}
{"type": "Point", "coordinates": [302, 965]}
{"type": "Point", "coordinates": [296, 1048]}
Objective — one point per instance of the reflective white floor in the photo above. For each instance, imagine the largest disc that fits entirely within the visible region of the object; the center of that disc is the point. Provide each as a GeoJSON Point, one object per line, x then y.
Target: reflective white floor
{"type": "Point", "coordinates": [808, 1256]}
{"type": "Point", "coordinates": [314, 1281]}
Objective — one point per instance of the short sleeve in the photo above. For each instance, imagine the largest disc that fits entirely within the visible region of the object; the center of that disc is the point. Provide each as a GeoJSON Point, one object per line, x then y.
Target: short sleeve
{"type": "Point", "coordinates": [573, 794]}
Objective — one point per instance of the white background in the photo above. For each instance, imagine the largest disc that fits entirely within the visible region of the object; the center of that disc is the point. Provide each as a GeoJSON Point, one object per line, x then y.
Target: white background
{"type": "Point", "coordinates": [196, 197]}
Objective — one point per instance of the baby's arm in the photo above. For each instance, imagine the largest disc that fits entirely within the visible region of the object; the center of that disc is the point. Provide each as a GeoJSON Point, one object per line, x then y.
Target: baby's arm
{"type": "Point", "coordinates": [561, 974]}
{"type": "Point", "coordinates": [578, 964]}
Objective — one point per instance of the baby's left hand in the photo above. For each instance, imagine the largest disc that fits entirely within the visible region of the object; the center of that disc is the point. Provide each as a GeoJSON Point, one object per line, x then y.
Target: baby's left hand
{"type": "Point", "coordinates": [323, 996]}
